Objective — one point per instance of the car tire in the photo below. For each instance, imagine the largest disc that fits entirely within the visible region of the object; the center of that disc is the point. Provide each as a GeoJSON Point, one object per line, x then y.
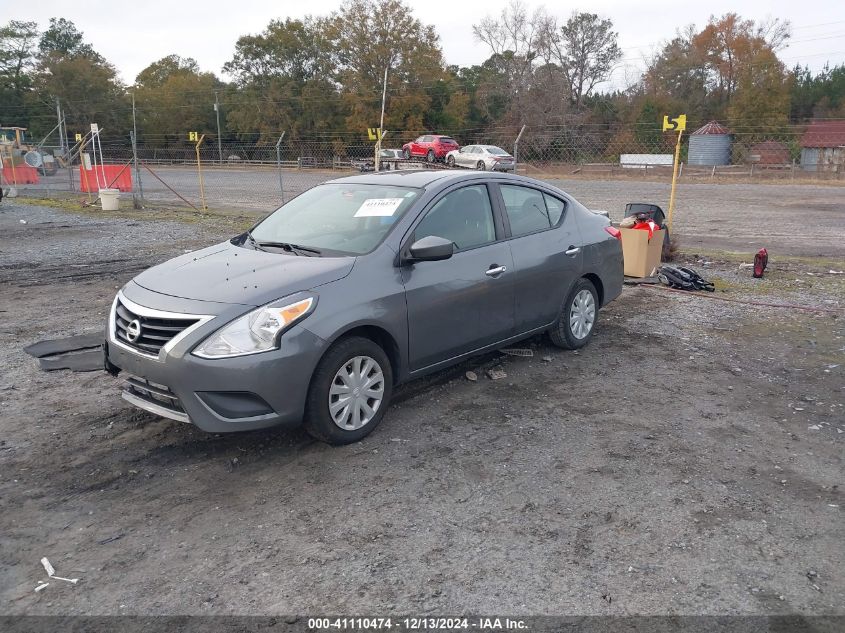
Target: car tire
{"type": "Point", "coordinates": [430, 157]}
{"type": "Point", "coordinates": [450, 160]}
{"type": "Point", "coordinates": [578, 316]}
{"type": "Point", "coordinates": [407, 153]}
{"type": "Point", "coordinates": [347, 365]}
{"type": "Point", "coordinates": [481, 166]}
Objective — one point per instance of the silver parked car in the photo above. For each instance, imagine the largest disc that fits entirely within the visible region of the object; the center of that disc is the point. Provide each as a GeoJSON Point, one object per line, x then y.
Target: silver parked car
{"type": "Point", "coordinates": [357, 285]}
{"type": "Point", "coordinates": [481, 157]}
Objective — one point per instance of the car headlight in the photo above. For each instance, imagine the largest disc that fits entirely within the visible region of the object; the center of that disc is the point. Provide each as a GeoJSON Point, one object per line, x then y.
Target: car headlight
{"type": "Point", "coordinates": [256, 331]}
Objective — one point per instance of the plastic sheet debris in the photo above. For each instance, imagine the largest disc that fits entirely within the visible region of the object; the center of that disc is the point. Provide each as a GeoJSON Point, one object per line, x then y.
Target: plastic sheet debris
{"type": "Point", "coordinates": [77, 353]}
{"type": "Point", "coordinates": [64, 345]}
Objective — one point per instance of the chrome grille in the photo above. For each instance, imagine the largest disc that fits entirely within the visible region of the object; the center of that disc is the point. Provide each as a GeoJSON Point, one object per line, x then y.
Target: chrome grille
{"type": "Point", "coordinates": [155, 332]}
{"type": "Point", "coordinates": [155, 398]}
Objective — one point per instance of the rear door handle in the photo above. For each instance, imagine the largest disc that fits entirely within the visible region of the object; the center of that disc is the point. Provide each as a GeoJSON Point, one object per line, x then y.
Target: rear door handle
{"type": "Point", "coordinates": [495, 271]}
{"type": "Point", "coordinates": [573, 250]}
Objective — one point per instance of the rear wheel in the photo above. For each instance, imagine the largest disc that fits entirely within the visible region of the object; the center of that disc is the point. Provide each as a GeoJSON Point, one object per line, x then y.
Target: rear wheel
{"type": "Point", "coordinates": [578, 316]}
{"type": "Point", "coordinates": [349, 393]}
{"type": "Point", "coordinates": [481, 166]}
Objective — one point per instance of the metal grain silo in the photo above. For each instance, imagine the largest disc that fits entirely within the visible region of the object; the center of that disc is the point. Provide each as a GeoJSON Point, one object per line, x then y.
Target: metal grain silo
{"type": "Point", "coordinates": [710, 145]}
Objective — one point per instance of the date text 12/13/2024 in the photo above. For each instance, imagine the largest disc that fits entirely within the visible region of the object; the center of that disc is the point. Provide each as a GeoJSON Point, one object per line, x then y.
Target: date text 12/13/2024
{"type": "Point", "coordinates": [417, 624]}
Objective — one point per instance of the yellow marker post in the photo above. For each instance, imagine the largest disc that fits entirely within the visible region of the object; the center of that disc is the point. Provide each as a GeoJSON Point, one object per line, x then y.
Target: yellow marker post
{"type": "Point", "coordinates": [78, 137]}
{"type": "Point", "coordinates": [199, 167]}
{"type": "Point", "coordinates": [376, 134]}
{"type": "Point", "coordinates": [679, 123]}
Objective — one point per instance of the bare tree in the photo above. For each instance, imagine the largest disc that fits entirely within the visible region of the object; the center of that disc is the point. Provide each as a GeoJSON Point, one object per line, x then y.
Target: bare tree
{"type": "Point", "coordinates": [775, 32]}
{"type": "Point", "coordinates": [586, 49]}
{"type": "Point", "coordinates": [514, 39]}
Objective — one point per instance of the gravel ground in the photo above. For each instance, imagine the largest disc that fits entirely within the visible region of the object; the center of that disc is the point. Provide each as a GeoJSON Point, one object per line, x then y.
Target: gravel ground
{"type": "Point", "coordinates": [803, 219]}
{"type": "Point", "coordinates": [688, 461]}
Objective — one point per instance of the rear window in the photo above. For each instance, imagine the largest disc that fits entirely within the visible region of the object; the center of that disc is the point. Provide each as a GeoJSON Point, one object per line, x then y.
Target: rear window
{"type": "Point", "coordinates": [497, 151]}
{"type": "Point", "coordinates": [447, 139]}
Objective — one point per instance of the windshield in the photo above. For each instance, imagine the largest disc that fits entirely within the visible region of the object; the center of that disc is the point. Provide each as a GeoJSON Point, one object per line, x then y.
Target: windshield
{"type": "Point", "coordinates": [349, 219]}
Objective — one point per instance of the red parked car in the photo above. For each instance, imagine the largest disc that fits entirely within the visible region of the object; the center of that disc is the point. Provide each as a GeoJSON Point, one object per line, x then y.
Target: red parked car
{"type": "Point", "coordinates": [431, 146]}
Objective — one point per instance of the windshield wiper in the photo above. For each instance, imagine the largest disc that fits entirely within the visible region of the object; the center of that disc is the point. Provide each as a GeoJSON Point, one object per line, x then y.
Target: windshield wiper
{"type": "Point", "coordinates": [292, 248]}
{"type": "Point", "coordinates": [252, 241]}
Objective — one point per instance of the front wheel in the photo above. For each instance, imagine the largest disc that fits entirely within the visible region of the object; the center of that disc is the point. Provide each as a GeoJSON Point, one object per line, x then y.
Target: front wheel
{"type": "Point", "coordinates": [450, 160]}
{"type": "Point", "coordinates": [407, 153]}
{"type": "Point", "coordinates": [430, 156]}
{"type": "Point", "coordinates": [578, 316]}
{"type": "Point", "coordinates": [349, 393]}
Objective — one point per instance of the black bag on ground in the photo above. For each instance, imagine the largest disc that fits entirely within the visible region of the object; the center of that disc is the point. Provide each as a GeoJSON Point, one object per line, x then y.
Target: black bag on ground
{"type": "Point", "coordinates": [683, 278]}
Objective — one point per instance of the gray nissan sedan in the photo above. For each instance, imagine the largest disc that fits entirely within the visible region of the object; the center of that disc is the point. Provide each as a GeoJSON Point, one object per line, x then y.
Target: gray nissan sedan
{"type": "Point", "coordinates": [315, 314]}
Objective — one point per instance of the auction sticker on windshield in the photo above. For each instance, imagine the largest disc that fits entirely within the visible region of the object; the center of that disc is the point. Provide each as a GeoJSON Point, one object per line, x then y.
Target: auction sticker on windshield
{"type": "Point", "coordinates": [378, 207]}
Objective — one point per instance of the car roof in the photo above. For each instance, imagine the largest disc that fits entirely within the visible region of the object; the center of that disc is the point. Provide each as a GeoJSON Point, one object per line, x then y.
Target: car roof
{"type": "Point", "coordinates": [425, 178]}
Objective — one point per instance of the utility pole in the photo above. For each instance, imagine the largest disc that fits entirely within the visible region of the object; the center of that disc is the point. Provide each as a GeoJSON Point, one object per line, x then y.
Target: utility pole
{"type": "Point", "coordinates": [219, 140]}
{"type": "Point", "coordinates": [381, 121]}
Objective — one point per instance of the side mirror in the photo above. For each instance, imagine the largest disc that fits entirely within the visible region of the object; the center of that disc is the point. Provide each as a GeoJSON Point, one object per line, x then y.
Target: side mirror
{"type": "Point", "coordinates": [431, 249]}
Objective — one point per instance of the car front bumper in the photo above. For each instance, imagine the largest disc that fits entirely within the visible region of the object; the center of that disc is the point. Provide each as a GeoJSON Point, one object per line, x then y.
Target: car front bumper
{"type": "Point", "coordinates": [221, 395]}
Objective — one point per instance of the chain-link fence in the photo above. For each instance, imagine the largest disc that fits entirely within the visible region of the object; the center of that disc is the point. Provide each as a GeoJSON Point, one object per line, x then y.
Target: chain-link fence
{"type": "Point", "coordinates": [259, 175]}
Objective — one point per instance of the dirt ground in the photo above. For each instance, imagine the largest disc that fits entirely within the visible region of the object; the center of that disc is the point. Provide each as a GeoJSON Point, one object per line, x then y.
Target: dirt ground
{"type": "Point", "coordinates": [688, 461]}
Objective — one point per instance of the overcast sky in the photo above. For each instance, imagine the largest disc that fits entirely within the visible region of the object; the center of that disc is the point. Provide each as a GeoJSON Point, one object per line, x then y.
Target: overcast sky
{"type": "Point", "coordinates": [135, 33]}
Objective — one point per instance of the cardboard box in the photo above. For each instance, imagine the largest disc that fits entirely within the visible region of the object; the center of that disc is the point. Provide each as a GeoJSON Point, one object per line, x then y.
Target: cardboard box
{"type": "Point", "coordinates": [642, 255]}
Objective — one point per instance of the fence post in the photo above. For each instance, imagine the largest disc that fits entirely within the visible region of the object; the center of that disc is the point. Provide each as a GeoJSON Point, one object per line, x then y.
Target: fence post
{"type": "Point", "coordinates": [279, 167]}
{"type": "Point", "coordinates": [516, 149]}
{"type": "Point", "coordinates": [199, 173]}
{"type": "Point", "coordinates": [135, 201]}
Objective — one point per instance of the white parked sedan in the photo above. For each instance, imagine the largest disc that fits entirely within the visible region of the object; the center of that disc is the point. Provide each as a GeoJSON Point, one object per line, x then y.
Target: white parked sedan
{"type": "Point", "coordinates": [481, 157]}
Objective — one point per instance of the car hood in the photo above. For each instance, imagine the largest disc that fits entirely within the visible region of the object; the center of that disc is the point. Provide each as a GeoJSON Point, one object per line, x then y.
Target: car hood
{"type": "Point", "coordinates": [226, 273]}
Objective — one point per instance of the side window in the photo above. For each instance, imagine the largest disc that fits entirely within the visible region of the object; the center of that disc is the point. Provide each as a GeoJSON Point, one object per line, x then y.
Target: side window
{"type": "Point", "coordinates": [427, 139]}
{"type": "Point", "coordinates": [555, 208]}
{"type": "Point", "coordinates": [464, 216]}
{"type": "Point", "coordinates": [526, 209]}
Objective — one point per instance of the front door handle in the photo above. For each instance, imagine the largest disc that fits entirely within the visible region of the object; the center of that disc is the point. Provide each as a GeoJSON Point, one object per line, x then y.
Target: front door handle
{"type": "Point", "coordinates": [572, 251]}
{"type": "Point", "coordinates": [495, 271]}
